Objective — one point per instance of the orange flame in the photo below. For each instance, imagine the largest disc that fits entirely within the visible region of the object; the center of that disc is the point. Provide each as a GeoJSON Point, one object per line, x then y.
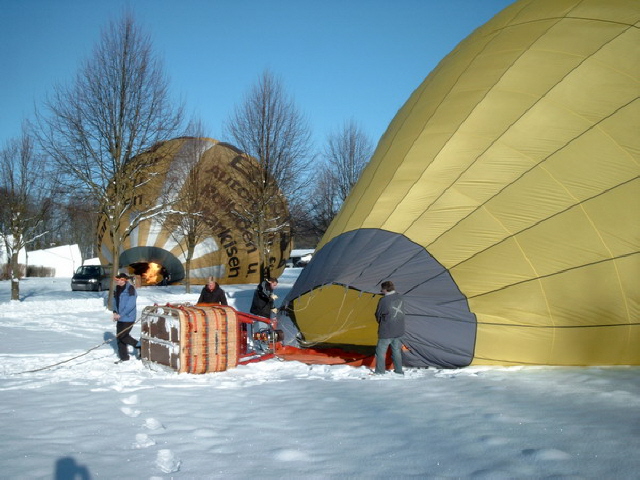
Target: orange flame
{"type": "Point", "coordinates": [151, 275]}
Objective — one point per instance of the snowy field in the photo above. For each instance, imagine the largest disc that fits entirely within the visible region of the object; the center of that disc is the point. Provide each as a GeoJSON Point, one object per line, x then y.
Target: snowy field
{"type": "Point", "coordinates": [89, 418]}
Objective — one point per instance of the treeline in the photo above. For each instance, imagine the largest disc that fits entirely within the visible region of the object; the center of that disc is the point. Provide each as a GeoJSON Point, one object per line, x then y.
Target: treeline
{"type": "Point", "coordinates": [80, 157]}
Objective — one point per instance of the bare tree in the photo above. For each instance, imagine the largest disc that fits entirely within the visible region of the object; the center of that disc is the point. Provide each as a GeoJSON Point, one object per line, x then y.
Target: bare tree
{"type": "Point", "coordinates": [347, 152]}
{"type": "Point", "coordinates": [324, 201]}
{"type": "Point", "coordinates": [26, 186]}
{"type": "Point", "coordinates": [97, 128]}
{"type": "Point", "coordinates": [268, 126]}
{"type": "Point", "coordinates": [80, 214]}
{"type": "Point", "coordinates": [187, 220]}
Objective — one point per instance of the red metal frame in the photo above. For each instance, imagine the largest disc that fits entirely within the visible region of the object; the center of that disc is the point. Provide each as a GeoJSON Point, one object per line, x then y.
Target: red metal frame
{"type": "Point", "coordinates": [245, 357]}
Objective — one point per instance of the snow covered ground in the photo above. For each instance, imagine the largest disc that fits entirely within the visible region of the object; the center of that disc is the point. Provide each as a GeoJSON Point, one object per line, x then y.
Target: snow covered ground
{"type": "Point", "coordinates": [90, 418]}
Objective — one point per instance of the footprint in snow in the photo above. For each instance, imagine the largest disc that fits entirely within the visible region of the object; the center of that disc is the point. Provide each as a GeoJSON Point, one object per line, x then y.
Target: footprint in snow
{"type": "Point", "coordinates": [153, 424]}
{"type": "Point", "coordinates": [130, 412]}
{"type": "Point", "coordinates": [167, 462]}
{"type": "Point", "coordinates": [131, 400]}
{"type": "Point", "coordinates": [143, 441]}
{"type": "Point", "coordinates": [494, 441]}
{"type": "Point", "coordinates": [546, 454]}
{"type": "Point", "coordinates": [289, 455]}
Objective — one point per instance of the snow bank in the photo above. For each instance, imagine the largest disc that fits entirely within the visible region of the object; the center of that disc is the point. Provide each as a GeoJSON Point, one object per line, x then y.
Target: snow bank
{"type": "Point", "coordinates": [64, 259]}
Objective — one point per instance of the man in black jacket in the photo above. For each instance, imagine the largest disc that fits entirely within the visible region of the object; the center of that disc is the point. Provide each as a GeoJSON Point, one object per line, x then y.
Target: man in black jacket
{"type": "Point", "coordinates": [263, 298]}
{"type": "Point", "coordinates": [390, 318]}
{"type": "Point", "coordinates": [212, 293]}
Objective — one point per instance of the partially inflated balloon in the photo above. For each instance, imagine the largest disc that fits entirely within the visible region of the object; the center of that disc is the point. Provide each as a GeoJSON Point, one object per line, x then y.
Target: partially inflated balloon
{"type": "Point", "coordinates": [502, 201]}
{"type": "Point", "coordinates": [227, 247]}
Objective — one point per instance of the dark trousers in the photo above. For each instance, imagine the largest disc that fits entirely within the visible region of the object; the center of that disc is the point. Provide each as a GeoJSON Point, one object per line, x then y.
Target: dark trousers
{"type": "Point", "coordinates": [123, 331]}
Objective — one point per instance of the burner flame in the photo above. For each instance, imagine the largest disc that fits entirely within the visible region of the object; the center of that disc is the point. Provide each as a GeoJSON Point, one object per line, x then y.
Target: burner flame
{"type": "Point", "coordinates": [151, 276]}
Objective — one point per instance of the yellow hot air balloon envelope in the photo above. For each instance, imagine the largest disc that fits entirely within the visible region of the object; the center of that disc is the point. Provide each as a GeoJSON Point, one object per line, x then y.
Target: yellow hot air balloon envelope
{"type": "Point", "coordinates": [503, 201]}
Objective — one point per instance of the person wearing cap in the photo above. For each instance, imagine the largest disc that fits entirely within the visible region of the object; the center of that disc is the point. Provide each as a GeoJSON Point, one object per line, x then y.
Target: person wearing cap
{"type": "Point", "coordinates": [125, 297]}
{"type": "Point", "coordinates": [390, 318]}
{"type": "Point", "coordinates": [212, 293]}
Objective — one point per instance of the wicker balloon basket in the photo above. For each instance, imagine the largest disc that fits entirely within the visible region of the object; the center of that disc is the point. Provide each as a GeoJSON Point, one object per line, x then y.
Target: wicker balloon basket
{"type": "Point", "coordinates": [205, 338]}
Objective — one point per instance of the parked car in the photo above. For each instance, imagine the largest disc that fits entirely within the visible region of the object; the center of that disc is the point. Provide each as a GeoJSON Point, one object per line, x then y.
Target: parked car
{"type": "Point", "coordinates": [299, 258]}
{"type": "Point", "coordinates": [90, 277]}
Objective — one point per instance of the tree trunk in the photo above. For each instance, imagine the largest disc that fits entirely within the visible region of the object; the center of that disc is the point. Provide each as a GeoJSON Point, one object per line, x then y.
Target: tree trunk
{"type": "Point", "coordinates": [261, 247]}
{"type": "Point", "coordinates": [15, 277]}
{"type": "Point", "coordinates": [114, 271]}
{"type": "Point", "coordinates": [187, 265]}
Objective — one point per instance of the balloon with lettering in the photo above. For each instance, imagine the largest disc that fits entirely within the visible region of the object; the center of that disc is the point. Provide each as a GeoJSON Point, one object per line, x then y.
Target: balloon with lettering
{"type": "Point", "coordinates": [502, 201]}
{"type": "Point", "coordinates": [214, 180]}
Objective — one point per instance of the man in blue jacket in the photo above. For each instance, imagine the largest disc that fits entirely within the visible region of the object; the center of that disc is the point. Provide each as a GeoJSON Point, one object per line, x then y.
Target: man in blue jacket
{"type": "Point", "coordinates": [390, 318]}
{"type": "Point", "coordinates": [125, 297]}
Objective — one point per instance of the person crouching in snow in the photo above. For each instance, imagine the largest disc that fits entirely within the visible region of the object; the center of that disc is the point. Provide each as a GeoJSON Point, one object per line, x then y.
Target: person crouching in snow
{"type": "Point", "coordinates": [212, 293]}
{"type": "Point", "coordinates": [390, 318]}
{"type": "Point", "coordinates": [125, 297]}
{"type": "Point", "coordinates": [263, 298]}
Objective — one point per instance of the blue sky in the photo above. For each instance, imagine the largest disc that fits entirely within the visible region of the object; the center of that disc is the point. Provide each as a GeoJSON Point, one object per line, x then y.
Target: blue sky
{"type": "Point", "coordinates": [340, 59]}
